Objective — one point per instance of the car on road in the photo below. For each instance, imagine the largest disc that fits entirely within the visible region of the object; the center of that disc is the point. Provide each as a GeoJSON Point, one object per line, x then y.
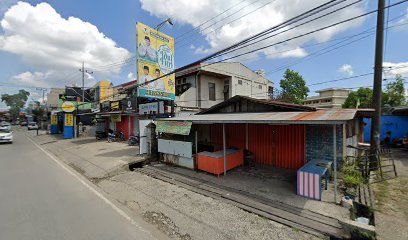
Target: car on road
{"type": "Point", "coordinates": [23, 123]}
{"type": "Point", "coordinates": [6, 135]}
{"type": "Point", "coordinates": [5, 125]}
{"type": "Point", "coordinates": [32, 126]}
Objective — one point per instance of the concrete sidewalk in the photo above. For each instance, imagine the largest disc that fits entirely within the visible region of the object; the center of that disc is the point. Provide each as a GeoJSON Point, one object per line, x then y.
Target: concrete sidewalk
{"type": "Point", "coordinates": [95, 159]}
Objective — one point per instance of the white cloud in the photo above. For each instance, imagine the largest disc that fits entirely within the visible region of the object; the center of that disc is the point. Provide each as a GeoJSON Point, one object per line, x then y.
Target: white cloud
{"type": "Point", "coordinates": [346, 69]}
{"type": "Point", "coordinates": [237, 26]}
{"type": "Point", "coordinates": [392, 69]}
{"type": "Point", "coordinates": [54, 45]}
{"type": "Point", "coordinates": [130, 76]}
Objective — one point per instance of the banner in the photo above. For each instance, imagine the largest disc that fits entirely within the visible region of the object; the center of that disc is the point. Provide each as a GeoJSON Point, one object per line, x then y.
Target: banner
{"type": "Point", "coordinates": [155, 58]}
{"type": "Point", "coordinates": [115, 106]}
{"type": "Point", "coordinates": [129, 105]}
{"type": "Point", "coordinates": [54, 120]}
{"type": "Point", "coordinates": [69, 120]}
{"type": "Point", "coordinates": [116, 118]}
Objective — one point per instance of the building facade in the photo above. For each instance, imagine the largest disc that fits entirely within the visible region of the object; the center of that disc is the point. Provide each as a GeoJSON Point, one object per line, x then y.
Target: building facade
{"type": "Point", "coordinates": [102, 90]}
{"type": "Point", "coordinates": [328, 98]}
{"type": "Point", "coordinates": [52, 98]}
{"type": "Point", "coordinates": [205, 85]}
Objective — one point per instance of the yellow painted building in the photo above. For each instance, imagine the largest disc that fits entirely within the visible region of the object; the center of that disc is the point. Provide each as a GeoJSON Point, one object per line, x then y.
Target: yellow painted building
{"type": "Point", "coordinates": [103, 90]}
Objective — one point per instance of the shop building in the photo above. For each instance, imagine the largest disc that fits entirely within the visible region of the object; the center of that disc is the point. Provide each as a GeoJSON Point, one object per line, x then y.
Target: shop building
{"type": "Point", "coordinates": [205, 85]}
{"type": "Point", "coordinates": [264, 132]}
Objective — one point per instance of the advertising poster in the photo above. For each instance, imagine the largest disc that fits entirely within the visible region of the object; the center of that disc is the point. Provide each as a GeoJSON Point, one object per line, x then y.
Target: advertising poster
{"type": "Point", "coordinates": [155, 58]}
{"type": "Point", "coordinates": [54, 120]}
{"type": "Point", "coordinates": [69, 120]}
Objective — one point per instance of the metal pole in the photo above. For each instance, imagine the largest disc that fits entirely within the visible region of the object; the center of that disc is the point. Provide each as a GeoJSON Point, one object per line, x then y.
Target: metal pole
{"type": "Point", "coordinates": [377, 88]}
{"type": "Point", "coordinates": [335, 162]}
{"type": "Point", "coordinates": [83, 81]}
{"type": "Point", "coordinates": [196, 151]}
{"type": "Point", "coordinates": [225, 149]}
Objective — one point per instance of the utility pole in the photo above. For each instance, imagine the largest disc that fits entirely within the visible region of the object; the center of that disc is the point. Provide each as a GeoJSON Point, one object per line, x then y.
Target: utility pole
{"type": "Point", "coordinates": [43, 92]}
{"type": "Point", "coordinates": [377, 86]}
{"type": "Point", "coordinates": [83, 70]}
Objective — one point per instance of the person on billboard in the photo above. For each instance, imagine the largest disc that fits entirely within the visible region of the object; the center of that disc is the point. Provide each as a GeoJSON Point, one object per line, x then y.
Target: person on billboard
{"type": "Point", "coordinates": [159, 84]}
{"type": "Point", "coordinates": [146, 51]}
{"type": "Point", "coordinates": [146, 77]}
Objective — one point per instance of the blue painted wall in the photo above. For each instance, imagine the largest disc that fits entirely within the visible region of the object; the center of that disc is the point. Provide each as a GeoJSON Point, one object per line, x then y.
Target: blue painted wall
{"type": "Point", "coordinates": [398, 125]}
{"type": "Point", "coordinates": [54, 129]}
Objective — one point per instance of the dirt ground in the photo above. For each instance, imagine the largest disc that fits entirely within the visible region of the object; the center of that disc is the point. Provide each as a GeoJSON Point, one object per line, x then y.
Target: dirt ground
{"type": "Point", "coordinates": [391, 197]}
{"type": "Point", "coordinates": [177, 212]}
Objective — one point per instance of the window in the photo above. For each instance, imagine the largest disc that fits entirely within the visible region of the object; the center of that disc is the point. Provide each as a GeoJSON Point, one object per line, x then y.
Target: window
{"type": "Point", "coordinates": [184, 80]}
{"type": "Point", "coordinates": [211, 91]}
{"type": "Point", "coordinates": [239, 82]}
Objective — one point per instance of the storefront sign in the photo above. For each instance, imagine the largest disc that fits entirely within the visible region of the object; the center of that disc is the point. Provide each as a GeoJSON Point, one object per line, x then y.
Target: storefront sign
{"type": "Point", "coordinates": [54, 120]}
{"type": "Point", "coordinates": [129, 105]}
{"type": "Point", "coordinates": [69, 120]}
{"type": "Point", "coordinates": [116, 118]}
{"type": "Point", "coordinates": [105, 106]}
{"type": "Point", "coordinates": [151, 108]}
{"type": "Point", "coordinates": [174, 127]}
{"type": "Point", "coordinates": [115, 106]}
{"type": "Point", "coordinates": [68, 97]}
{"type": "Point", "coordinates": [68, 106]}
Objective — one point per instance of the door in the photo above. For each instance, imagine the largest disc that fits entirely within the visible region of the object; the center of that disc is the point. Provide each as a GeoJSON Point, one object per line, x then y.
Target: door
{"type": "Point", "coordinates": [142, 135]}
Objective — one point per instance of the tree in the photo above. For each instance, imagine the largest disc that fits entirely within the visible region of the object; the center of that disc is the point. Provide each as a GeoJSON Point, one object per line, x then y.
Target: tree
{"type": "Point", "coordinates": [362, 97]}
{"type": "Point", "coordinates": [293, 87]}
{"type": "Point", "coordinates": [394, 94]}
{"type": "Point", "coordinates": [39, 114]}
{"type": "Point", "coordinates": [15, 102]}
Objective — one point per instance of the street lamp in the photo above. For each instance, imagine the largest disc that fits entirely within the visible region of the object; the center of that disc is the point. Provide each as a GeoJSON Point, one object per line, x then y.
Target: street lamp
{"type": "Point", "coordinates": [160, 25]}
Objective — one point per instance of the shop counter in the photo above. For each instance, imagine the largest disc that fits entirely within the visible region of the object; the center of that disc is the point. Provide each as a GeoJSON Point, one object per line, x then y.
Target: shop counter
{"type": "Point", "coordinates": [213, 162]}
{"type": "Point", "coordinates": [309, 178]}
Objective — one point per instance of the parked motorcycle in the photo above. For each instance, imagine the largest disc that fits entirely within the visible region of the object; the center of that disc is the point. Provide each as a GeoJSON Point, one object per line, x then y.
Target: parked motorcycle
{"type": "Point", "coordinates": [116, 136]}
{"type": "Point", "coordinates": [133, 140]}
{"type": "Point", "coordinates": [100, 135]}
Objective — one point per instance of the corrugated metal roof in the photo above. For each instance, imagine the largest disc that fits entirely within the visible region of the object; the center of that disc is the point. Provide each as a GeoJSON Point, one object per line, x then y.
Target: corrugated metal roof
{"type": "Point", "coordinates": [273, 103]}
{"type": "Point", "coordinates": [329, 116]}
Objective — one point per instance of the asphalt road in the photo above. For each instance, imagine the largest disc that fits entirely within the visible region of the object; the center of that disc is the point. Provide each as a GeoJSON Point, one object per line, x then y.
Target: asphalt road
{"type": "Point", "coordinates": [41, 200]}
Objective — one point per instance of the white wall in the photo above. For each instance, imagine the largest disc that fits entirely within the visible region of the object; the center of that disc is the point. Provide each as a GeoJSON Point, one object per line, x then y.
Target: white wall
{"type": "Point", "coordinates": [232, 71]}
{"type": "Point", "coordinates": [219, 87]}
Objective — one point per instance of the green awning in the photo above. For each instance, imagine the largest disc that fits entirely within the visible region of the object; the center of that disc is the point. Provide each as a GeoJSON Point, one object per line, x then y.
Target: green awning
{"type": "Point", "coordinates": [174, 127]}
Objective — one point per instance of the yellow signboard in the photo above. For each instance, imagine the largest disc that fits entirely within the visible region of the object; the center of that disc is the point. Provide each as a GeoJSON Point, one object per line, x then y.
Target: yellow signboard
{"type": "Point", "coordinates": [155, 51]}
{"type": "Point", "coordinates": [115, 106]}
{"type": "Point", "coordinates": [54, 119]}
{"type": "Point", "coordinates": [68, 107]}
{"type": "Point", "coordinates": [69, 120]}
{"type": "Point", "coordinates": [116, 118]}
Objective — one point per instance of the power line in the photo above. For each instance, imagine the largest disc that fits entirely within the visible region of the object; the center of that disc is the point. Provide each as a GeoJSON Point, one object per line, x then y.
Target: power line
{"type": "Point", "coordinates": [296, 26]}
{"type": "Point", "coordinates": [248, 39]}
{"type": "Point", "coordinates": [194, 29]}
{"type": "Point", "coordinates": [308, 33]}
{"type": "Point", "coordinates": [214, 30]}
{"type": "Point", "coordinates": [232, 14]}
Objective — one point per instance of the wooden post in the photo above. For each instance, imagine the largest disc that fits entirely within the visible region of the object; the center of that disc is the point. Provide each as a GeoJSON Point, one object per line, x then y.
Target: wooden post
{"type": "Point", "coordinates": [335, 163]}
{"type": "Point", "coordinates": [344, 149]}
{"type": "Point", "coordinates": [225, 149]}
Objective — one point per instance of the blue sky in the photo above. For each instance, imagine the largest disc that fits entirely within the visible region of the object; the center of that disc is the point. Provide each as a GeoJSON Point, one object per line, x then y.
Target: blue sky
{"type": "Point", "coordinates": [44, 66]}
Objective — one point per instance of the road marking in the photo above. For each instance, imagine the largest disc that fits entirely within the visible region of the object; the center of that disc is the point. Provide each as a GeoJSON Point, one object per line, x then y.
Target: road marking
{"type": "Point", "coordinates": [96, 192]}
